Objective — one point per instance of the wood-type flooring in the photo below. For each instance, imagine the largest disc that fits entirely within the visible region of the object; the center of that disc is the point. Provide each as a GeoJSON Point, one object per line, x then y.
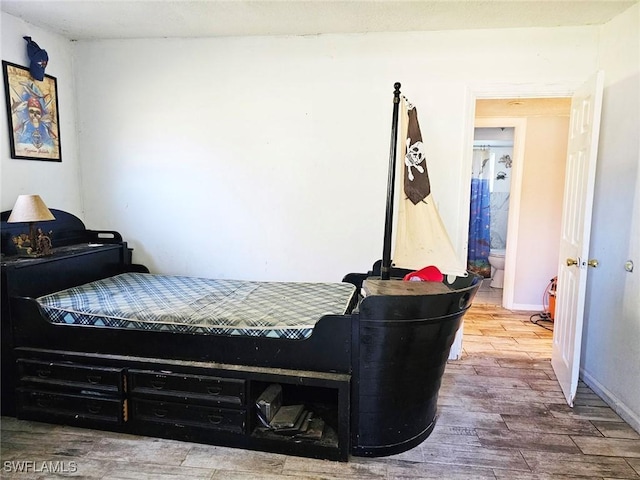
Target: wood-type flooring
{"type": "Point", "coordinates": [501, 416]}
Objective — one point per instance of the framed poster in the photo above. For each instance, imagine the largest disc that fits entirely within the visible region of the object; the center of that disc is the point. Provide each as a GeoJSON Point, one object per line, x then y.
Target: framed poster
{"type": "Point", "coordinates": [32, 112]}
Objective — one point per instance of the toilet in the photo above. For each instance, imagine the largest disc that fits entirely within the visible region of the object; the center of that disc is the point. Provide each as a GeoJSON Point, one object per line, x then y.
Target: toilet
{"type": "Point", "coordinates": [496, 260]}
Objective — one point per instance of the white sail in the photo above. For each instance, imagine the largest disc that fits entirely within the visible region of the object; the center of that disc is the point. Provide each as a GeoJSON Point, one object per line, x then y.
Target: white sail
{"type": "Point", "coordinates": [421, 238]}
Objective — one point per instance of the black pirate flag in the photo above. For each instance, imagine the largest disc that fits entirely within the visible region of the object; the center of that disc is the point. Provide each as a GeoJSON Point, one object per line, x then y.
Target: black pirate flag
{"type": "Point", "coordinates": [416, 178]}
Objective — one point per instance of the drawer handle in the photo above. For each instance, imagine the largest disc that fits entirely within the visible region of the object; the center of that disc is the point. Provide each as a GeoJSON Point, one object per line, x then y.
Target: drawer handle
{"type": "Point", "coordinates": [215, 390]}
{"type": "Point", "coordinates": [214, 419]}
{"type": "Point", "coordinates": [94, 408]}
{"type": "Point", "coordinates": [160, 413]}
{"type": "Point", "coordinates": [43, 373]}
{"type": "Point", "coordinates": [94, 379]}
{"type": "Point", "coordinates": [157, 384]}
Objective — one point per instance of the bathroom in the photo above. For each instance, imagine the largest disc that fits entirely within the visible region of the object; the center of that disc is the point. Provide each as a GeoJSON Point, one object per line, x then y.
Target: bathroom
{"type": "Point", "coordinates": [489, 209]}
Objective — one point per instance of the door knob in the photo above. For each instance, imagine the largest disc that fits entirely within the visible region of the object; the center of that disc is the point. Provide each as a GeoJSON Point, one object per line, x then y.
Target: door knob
{"type": "Point", "coordinates": [571, 262]}
{"type": "Point", "coordinates": [593, 263]}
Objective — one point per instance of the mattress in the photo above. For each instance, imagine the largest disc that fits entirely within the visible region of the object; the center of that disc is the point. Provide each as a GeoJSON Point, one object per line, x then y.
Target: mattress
{"type": "Point", "coordinates": [200, 306]}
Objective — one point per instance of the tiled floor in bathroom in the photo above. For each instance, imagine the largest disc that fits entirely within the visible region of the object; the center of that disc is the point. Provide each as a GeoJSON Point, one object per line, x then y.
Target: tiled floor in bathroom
{"type": "Point", "coordinates": [488, 295]}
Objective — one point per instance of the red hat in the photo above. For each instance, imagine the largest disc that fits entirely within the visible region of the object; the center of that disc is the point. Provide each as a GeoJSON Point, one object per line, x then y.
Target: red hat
{"type": "Point", "coordinates": [427, 274]}
{"type": "Point", "coordinates": [34, 102]}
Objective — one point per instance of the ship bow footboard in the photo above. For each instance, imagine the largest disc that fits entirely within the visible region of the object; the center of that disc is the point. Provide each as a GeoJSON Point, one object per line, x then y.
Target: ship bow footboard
{"type": "Point", "coordinates": [404, 344]}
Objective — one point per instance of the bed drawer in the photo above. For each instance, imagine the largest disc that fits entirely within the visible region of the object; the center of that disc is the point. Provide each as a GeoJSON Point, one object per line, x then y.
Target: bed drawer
{"type": "Point", "coordinates": [39, 404]}
{"type": "Point", "coordinates": [200, 388]}
{"type": "Point", "coordinates": [180, 415]}
{"type": "Point", "coordinates": [59, 374]}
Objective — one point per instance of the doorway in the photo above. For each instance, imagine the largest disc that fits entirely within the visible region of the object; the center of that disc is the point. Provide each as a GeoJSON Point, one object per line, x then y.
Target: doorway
{"type": "Point", "coordinates": [539, 142]}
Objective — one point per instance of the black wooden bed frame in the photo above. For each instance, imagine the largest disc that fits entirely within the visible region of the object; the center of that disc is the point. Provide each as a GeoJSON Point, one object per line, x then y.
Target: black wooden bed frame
{"type": "Point", "coordinates": [372, 375]}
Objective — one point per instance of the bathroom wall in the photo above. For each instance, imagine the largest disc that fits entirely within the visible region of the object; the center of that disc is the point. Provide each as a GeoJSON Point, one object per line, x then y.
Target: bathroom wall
{"type": "Point", "coordinates": [501, 143]}
{"type": "Point", "coordinates": [500, 195]}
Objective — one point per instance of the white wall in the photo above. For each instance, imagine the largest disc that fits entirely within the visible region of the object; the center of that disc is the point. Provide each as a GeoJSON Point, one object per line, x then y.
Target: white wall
{"type": "Point", "coordinates": [611, 343]}
{"type": "Point", "coordinates": [266, 158]}
{"type": "Point", "coordinates": [540, 216]}
{"type": "Point", "coordinates": [57, 183]}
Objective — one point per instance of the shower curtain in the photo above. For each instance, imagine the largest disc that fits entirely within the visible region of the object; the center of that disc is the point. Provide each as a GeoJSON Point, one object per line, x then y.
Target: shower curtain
{"type": "Point", "coordinates": [480, 214]}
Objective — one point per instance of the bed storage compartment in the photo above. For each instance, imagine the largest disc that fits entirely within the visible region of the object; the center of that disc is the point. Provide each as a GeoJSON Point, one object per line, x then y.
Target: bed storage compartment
{"type": "Point", "coordinates": [174, 403]}
{"type": "Point", "coordinates": [54, 389]}
{"type": "Point", "coordinates": [84, 408]}
{"type": "Point", "coordinates": [215, 403]}
{"type": "Point", "coordinates": [200, 388]}
{"type": "Point", "coordinates": [195, 401]}
{"type": "Point", "coordinates": [43, 374]}
{"type": "Point", "coordinates": [324, 400]}
{"type": "Point", "coordinates": [180, 415]}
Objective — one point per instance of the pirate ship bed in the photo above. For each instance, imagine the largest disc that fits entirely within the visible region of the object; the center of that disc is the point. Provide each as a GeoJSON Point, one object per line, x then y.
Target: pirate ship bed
{"type": "Point", "coordinates": [366, 365]}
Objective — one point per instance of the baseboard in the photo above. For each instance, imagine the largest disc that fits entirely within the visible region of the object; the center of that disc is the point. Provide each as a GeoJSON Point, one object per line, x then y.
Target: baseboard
{"type": "Point", "coordinates": [529, 307]}
{"type": "Point", "coordinates": [610, 399]}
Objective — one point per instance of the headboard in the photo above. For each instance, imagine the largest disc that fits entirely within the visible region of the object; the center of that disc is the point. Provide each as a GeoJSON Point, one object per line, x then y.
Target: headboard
{"type": "Point", "coordinates": [67, 229]}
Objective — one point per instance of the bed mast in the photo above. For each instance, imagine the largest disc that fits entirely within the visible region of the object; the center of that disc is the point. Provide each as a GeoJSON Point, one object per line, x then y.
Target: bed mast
{"type": "Point", "coordinates": [385, 270]}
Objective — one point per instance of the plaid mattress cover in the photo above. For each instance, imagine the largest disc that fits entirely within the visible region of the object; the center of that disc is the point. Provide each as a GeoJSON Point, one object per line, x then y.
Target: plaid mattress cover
{"type": "Point", "coordinates": [199, 305]}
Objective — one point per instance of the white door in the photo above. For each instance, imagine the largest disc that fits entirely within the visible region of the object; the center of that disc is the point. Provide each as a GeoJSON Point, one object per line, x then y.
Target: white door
{"type": "Point", "coordinates": [575, 233]}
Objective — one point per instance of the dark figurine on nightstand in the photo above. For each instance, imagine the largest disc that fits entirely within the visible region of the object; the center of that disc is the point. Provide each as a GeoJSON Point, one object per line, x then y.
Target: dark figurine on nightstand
{"type": "Point", "coordinates": [40, 247]}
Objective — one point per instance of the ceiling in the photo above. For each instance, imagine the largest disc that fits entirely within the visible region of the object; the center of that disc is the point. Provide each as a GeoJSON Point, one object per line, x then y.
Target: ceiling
{"type": "Point", "coordinates": [114, 19]}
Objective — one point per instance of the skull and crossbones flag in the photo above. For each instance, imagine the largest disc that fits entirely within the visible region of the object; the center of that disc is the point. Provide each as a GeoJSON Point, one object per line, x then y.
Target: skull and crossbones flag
{"type": "Point", "coordinates": [416, 178]}
{"type": "Point", "coordinates": [421, 238]}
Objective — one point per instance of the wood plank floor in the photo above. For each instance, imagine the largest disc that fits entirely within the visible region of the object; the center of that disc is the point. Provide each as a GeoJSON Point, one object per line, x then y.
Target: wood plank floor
{"type": "Point", "coordinates": [501, 416]}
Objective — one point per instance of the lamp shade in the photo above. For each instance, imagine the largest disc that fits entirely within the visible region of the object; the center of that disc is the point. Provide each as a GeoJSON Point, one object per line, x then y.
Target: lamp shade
{"type": "Point", "coordinates": [30, 208]}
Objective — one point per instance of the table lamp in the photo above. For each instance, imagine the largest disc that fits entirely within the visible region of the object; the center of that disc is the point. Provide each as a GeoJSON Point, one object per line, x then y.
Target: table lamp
{"type": "Point", "coordinates": [31, 209]}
